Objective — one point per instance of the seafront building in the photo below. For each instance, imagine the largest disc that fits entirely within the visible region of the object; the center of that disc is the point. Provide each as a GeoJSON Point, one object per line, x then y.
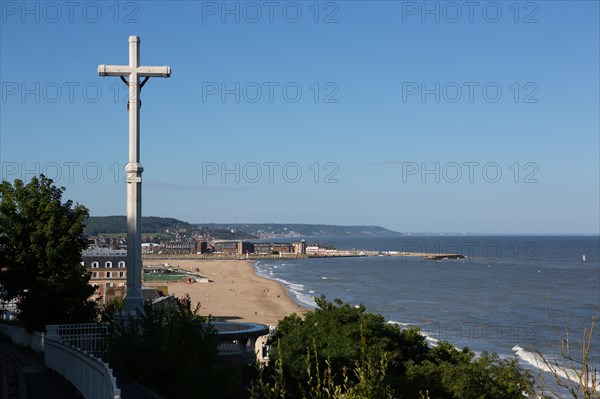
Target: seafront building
{"type": "Point", "coordinates": [261, 248]}
{"type": "Point", "coordinates": [317, 249]}
{"type": "Point", "coordinates": [108, 271]}
{"type": "Point", "coordinates": [180, 247]}
{"type": "Point", "coordinates": [299, 247]}
{"type": "Point", "coordinates": [108, 266]}
{"type": "Point", "coordinates": [201, 246]}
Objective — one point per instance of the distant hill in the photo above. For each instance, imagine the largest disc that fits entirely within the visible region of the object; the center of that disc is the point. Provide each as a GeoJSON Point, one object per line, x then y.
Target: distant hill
{"type": "Point", "coordinates": [163, 227]}
{"type": "Point", "coordinates": [102, 225]}
{"type": "Point", "coordinates": [266, 230]}
{"type": "Point", "coordinates": [97, 225]}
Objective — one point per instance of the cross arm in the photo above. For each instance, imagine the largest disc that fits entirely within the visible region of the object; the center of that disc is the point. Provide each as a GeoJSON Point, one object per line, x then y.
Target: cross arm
{"type": "Point", "coordinates": [114, 70]}
{"type": "Point", "coordinates": [154, 71]}
{"type": "Point", "coordinates": [125, 70]}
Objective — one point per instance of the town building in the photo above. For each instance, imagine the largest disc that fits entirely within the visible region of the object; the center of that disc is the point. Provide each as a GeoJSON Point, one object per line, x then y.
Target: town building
{"type": "Point", "coordinates": [244, 247]}
{"type": "Point", "coordinates": [317, 249]}
{"type": "Point", "coordinates": [201, 247]}
{"type": "Point", "coordinates": [226, 247]}
{"type": "Point", "coordinates": [179, 247]}
{"type": "Point", "coordinates": [282, 248]}
{"type": "Point", "coordinates": [262, 248]}
{"type": "Point", "coordinates": [233, 247]}
{"type": "Point", "coordinates": [150, 248]}
{"type": "Point", "coordinates": [108, 271]}
{"type": "Point", "coordinates": [299, 247]}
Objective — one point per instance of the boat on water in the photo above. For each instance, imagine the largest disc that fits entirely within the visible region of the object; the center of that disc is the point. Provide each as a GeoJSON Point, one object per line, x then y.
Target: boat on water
{"type": "Point", "coordinates": [583, 259]}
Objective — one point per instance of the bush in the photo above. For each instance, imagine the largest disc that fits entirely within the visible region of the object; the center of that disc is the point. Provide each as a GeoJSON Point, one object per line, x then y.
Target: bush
{"type": "Point", "coordinates": [340, 351]}
{"type": "Point", "coordinates": [172, 351]}
{"type": "Point", "coordinates": [450, 373]}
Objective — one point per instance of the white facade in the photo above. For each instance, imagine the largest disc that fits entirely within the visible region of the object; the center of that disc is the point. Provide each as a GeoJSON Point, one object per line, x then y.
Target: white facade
{"type": "Point", "coordinates": [103, 251]}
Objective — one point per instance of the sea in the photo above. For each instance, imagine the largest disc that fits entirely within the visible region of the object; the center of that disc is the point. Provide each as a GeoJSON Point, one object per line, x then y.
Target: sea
{"type": "Point", "coordinates": [512, 295]}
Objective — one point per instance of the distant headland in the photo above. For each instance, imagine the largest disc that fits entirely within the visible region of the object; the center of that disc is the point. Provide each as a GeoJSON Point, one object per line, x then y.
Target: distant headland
{"type": "Point", "coordinates": [170, 227]}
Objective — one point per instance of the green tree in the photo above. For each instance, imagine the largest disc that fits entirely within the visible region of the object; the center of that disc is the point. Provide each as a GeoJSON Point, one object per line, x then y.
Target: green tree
{"type": "Point", "coordinates": [173, 351]}
{"type": "Point", "coordinates": [41, 239]}
{"type": "Point", "coordinates": [451, 373]}
{"type": "Point", "coordinates": [108, 311]}
{"type": "Point", "coordinates": [339, 334]}
{"type": "Point", "coordinates": [340, 351]}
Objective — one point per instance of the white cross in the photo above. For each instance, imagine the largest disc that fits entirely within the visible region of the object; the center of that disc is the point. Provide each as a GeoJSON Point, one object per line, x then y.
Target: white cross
{"type": "Point", "coordinates": [134, 168]}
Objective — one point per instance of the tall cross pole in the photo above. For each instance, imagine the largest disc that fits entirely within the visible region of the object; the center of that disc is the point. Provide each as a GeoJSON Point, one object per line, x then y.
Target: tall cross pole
{"type": "Point", "coordinates": [134, 168]}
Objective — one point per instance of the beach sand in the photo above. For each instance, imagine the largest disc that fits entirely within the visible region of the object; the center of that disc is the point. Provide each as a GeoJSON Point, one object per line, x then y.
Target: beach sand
{"type": "Point", "coordinates": [236, 293]}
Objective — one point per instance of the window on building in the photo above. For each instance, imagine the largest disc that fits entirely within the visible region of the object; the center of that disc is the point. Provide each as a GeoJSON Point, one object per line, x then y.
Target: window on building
{"type": "Point", "coordinates": [95, 265]}
{"type": "Point", "coordinates": [121, 264]}
{"type": "Point", "coordinates": [108, 264]}
{"type": "Point", "coordinates": [108, 274]}
{"type": "Point", "coordinates": [121, 274]}
{"type": "Point", "coordinates": [94, 274]}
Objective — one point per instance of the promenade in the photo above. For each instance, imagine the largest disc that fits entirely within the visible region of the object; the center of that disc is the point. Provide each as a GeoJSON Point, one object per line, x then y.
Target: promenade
{"type": "Point", "coordinates": [293, 256]}
{"type": "Point", "coordinates": [23, 375]}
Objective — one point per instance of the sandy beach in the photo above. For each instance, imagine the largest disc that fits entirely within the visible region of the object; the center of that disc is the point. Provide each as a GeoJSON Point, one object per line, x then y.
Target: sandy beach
{"type": "Point", "coordinates": [235, 292]}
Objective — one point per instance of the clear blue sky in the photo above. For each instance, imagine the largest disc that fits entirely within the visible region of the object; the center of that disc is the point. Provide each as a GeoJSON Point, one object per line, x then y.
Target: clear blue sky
{"type": "Point", "coordinates": [419, 117]}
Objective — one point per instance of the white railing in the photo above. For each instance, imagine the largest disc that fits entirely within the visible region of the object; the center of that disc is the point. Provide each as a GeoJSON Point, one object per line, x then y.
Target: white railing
{"type": "Point", "coordinates": [70, 350]}
{"type": "Point", "coordinates": [90, 375]}
{"type": "Point", "coordinates": [235, 348]}
{"type": "Point", "coordinates": [89, 337]}
{"type": "Point", "coordinates": [67, 350]}
{"type": "Point", "coordinates": [20, 336]}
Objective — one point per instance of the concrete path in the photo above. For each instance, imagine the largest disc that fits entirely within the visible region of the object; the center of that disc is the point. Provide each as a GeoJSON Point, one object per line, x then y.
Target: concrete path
{"type": "Point", "coordinates": [23, 375]}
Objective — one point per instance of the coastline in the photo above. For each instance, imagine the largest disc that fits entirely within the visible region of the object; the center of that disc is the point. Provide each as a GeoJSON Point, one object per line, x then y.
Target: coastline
{"type": "Point", "coordinates": [408, 291]}
{"type": "Point", "coordinates": [235, 293]}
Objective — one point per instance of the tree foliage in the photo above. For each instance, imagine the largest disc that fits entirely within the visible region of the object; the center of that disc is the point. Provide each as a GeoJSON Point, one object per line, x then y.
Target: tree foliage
{"type": "Point", "coordinates": [108, 311]}
{"type": "Point", "coordinates": [335, 331]}
{"type": "Point", "coordinates": [340, 351]}
{"type": "Point", "coordinates": [368, 379]}
{"type": "Point", "coordinates": [41, 239]}
{"type": "Point", "coordinates": [451, 373]}
{"type": "Point", "coordinates": [173, 351]}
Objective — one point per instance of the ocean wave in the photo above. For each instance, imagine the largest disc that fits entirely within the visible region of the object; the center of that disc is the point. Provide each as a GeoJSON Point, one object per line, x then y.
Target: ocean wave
{"type": "Point", "coordinates": [431, 341]}
{"type": "Point", "coordinates": [297, 287]}
{"type": "Point", "coordinates": [297, 290]}
{"type": "Point", "coordinates": [306, 299]}
{"type": "Point", "coordinates": [429, 337]}
{"type": "Point", "coordinates": [264, 271]}
{"type": "Point", "coordinates": [530, 358]}
{"type": "Point", "coordinates": [400, 324]}
{"type": "Point", "coordinates": [537, 361]}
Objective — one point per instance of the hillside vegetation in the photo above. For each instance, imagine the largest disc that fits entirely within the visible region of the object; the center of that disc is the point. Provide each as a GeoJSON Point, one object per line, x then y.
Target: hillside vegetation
{"type": "Point", "coordinates": [102, 225]}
